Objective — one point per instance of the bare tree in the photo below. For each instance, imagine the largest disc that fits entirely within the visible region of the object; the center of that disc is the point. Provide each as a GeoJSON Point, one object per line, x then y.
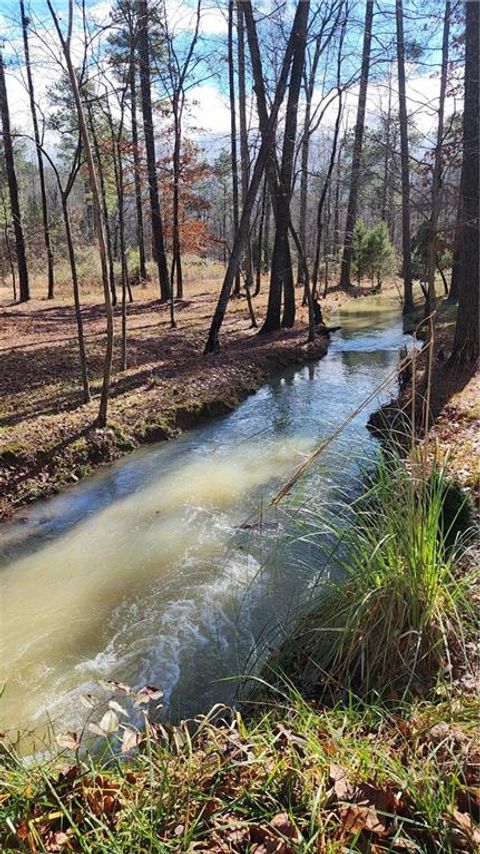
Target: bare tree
{"type": "Point", "coordinates": [147, 111]}
{"type": "Point", "coordinates": [319, 43]}
{"type": "Point", "coordinates": [181, 62]}
{"type": "Point", "coordinates": [281, 279]}
{"type": "Point", "coordinates": [65, 189]}
{"type": "Point", "coordinates": [13, 189]}
{"type": "Point", "coordinates": [65, 42]}
{"type": "Point", "coordinates": [408, 304]}
{"type": "Point", "coordinates": [244, 152]}
{"type": "Point", "coordinates": [357, 149]}
{"type": "Point", "coordinates": [268, 136]}
{"type": "Point", "coordinates": [233, 137]}
{"type": "Point", "coordinates": [41, 172]}
{"type": "Point", "coordinates": [437, 167]}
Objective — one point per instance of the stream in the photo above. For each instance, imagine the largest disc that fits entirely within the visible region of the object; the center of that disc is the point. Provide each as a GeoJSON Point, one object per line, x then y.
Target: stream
{"type": "Point", "coordinates": [169, 568]}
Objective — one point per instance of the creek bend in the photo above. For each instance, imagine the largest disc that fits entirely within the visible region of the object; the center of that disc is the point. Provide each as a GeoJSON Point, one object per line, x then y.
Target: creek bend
{"type": "Point", "coordinates": [156, 571]}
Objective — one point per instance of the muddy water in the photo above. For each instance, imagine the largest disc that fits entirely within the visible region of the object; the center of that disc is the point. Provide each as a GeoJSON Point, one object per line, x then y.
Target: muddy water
{"type": "Point", "coordinates": [169, 568]}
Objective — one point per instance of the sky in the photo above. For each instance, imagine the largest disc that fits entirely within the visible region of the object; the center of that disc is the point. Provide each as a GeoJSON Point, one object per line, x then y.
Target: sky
{"type": "Point", "coordinates": [209, 116]}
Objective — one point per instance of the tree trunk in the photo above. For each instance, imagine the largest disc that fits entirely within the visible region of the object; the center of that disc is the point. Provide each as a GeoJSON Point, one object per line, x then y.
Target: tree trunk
{"type": "Point", "coordinates": [386, 159]}
{"type": "Point", "coordinates": [357, 149]}
{"type": "Point", "coordinates": [177, 273]}
{"type": "Point", "coordinates": [268, 135]}
{"type": "Point", "coordinates": [158, 243]}
{"type": "Point", "coordinates": [13, 189]}
{"type": "Point", "coordinates": [321, 202]}
{"type": "Point", "coordinates": [467, 332]}
{"type": "Point", "coordinates": [108, 232]}
{"type": "Point", "coordinates": [64, 194]}
{"type": "Point", "coordinates": [76, 298]}
{"type": "Point", "coordinates": [9, 250]}
{"type": "Point", "coordinates": [328, 178]}
{"type": "Point", "coordinates": [97, 205]}
{"type": "Point", "coordinates": [260, 239]}
{"type": "Point", "coordinates": [41, 173]}
{"type": "Point", "coordinates": [302, 221]}
{"type": "Point", "coordinates": [244, 152]}
{"type": "Point", "coordinates": [457, 239]}
{"type": "Point", "coordinates": [282, 274]}
{"type": "Point", "coordinates": [116, 138]}
{"type": "Point", "coordinates": [408, 304]}
{"type": "Point", "coordinates": [136, 173]}
{"type": "Point", "coordinates": [233, 138]}
{"type": "Point", "coordinates": [437, 168]}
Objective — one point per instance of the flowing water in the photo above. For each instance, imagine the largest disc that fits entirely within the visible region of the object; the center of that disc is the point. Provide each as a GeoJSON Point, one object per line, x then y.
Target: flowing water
{"type": "Point", "coordinates": [168, 568]}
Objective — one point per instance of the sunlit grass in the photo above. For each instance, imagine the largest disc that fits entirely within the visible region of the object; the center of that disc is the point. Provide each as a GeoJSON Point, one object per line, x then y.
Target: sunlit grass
{"type": "Point", "coordinates": [386, 628]}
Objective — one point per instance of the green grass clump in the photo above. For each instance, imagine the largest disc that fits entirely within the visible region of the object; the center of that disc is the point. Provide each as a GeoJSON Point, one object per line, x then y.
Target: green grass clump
{"type": "Point", "coordinates": [387, 627]}
{"type": "Point", "coordinates": [294, 780]}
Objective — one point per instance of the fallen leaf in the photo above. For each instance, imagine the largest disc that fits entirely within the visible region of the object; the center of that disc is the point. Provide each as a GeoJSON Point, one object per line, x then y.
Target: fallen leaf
{"type": "Point", "coordinates": [343, 789]}
{"type": "Point", "coordinates": [109, 722]}
{"type": "Point", "coordinates": [464, 823]}
{"type": "Point", "coordinates": [117, 708]}
{"type": "Point", "coordinates": [68, 740]}
{"type": "Point", "coordinates": [146, 694]}
{"type": "Point", "coordinates": [130, 739]}
{"type": "Point", "coordinates": [355, 818]}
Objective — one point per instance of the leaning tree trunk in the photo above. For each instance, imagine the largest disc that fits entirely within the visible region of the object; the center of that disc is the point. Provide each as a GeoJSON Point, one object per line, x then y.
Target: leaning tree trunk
{"type": "Point", "coordinates": [437, 169]}
{"type": "Point", "coordinates": [13, 189]}
{"type": "Point", "coordinates": [357, 150]}
{"type": "Point", "coordinates": [146, 94]}
{"type": "Point", "coordinates": [268, 135]}
{"type": "Point", "coordinates": [41, 172]}
{"type": "Point", "coordinates": [467, 332]}
{"type": "Point", "coordinates": [408, 304]}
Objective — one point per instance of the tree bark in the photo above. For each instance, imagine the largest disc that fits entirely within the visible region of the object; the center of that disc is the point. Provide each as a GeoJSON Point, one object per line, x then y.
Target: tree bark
{"type": "Point", "coordinates": [357, 149]}
{"type": "Point", "coordinates": [268, 135]}
{"type": "Point", "coordinates": [41, 172]}
{"type": "Point", "coordinates": [146, 95]}
{"type": "Point", "coordinates": [233, 138]}
{"type": "Point", "coordinates": [408, 304]}
{"type": "Point", "coordinates": [24, 288]}
{"type": "Point", "coordinates": [244, 152]}
{"type": "Point", "coordinates": [467, 332]}
{"type": "Point", "coordinates": [321, 202]}
{"type": "Point", "coordinates": [437, 168]}
{"type": "Point", "coordinates": [108, 232]}
{"type": "Point", "coordinates": [282, 273]}
{"type": "Point", "coordinates": [136, 172]}
{"type": "Point", "coordinates": [64, 194]}
{"type": "Point", "coordinates": [97, 205]}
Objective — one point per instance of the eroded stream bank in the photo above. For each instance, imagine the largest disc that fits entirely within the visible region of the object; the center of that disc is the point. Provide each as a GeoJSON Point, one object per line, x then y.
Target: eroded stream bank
{"type": "Point", "coordinates": [146, 572]}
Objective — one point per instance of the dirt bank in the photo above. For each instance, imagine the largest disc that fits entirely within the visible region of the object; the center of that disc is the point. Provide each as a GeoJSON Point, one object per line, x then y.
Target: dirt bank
{"type": "Point", "coordinates": [47, 437]}
{"type": "Point", "coordinates": [452, 403]}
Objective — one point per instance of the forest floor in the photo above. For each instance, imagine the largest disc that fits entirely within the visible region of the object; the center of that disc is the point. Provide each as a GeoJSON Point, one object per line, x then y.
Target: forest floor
{"type": "Point", "coordinates": [47, 436]}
